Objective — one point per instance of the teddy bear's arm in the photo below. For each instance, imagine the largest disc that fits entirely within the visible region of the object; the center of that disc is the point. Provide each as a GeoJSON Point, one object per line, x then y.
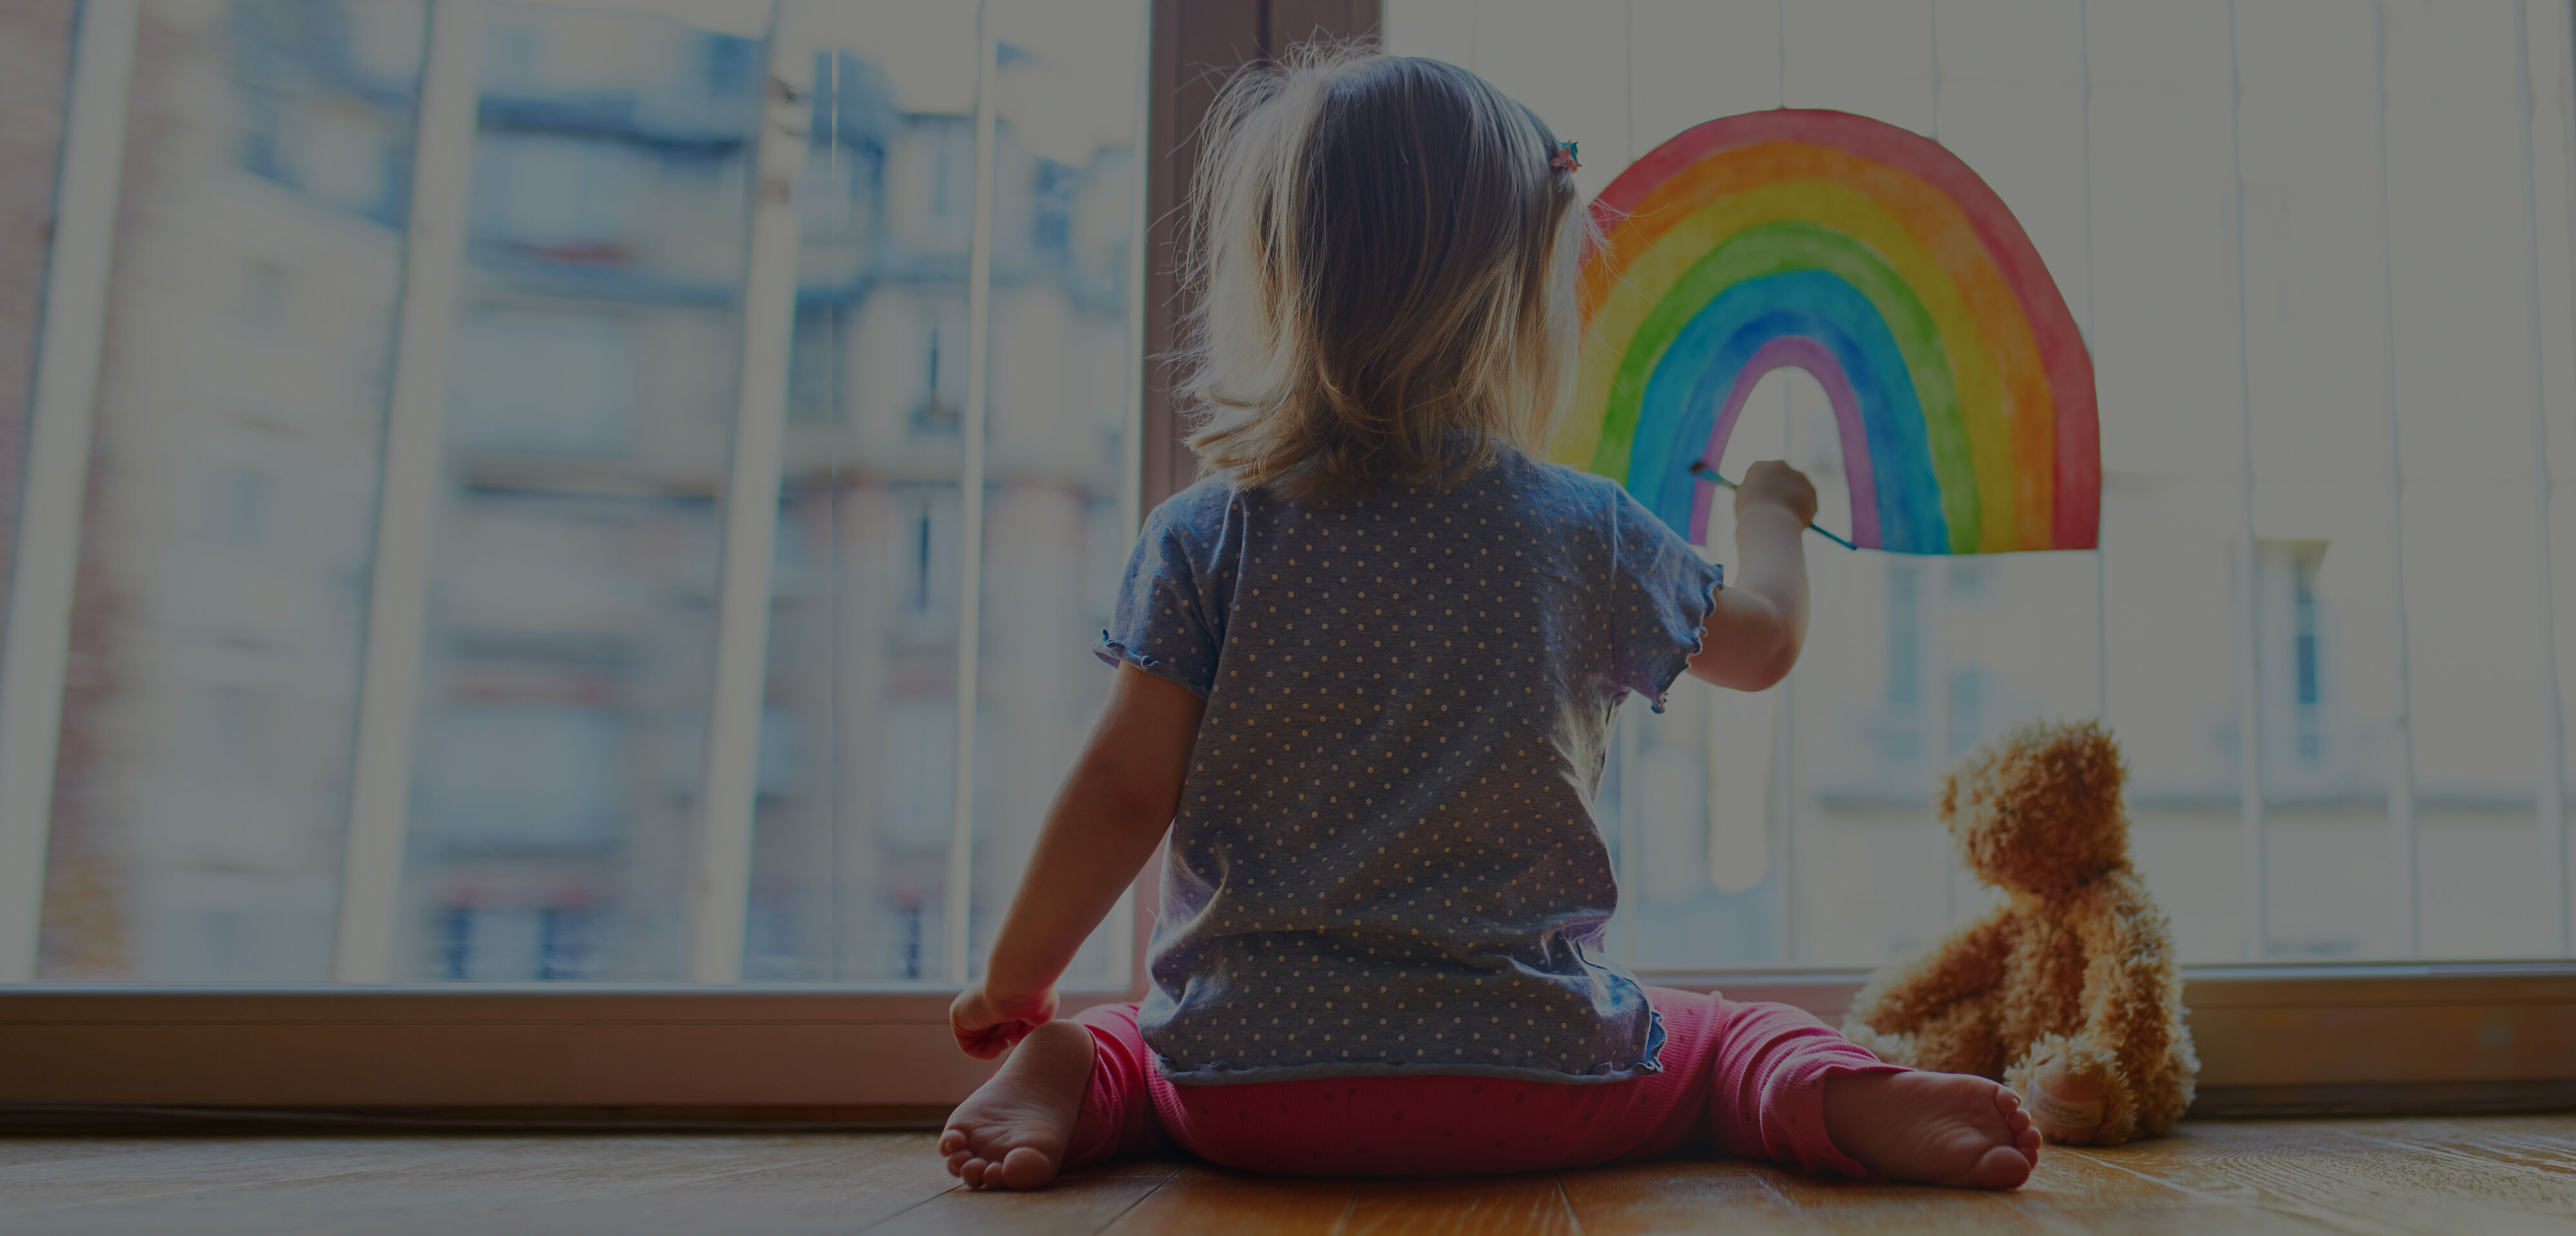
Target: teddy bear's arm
{"type": "Point", "coordinates": [1968, 964]}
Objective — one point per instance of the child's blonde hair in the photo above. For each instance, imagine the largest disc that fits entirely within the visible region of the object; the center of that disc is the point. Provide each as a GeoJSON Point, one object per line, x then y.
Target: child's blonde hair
{"type": "Point", "coordinates": [1383, 257]}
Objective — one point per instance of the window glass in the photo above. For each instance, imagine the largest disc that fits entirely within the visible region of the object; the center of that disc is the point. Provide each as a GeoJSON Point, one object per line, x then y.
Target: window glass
{"type": "Point", "coordinates": [2165, 340]}
{"type": "Point", "coordinates": [2363, 200]}
{"type": "Point", "coordinates": [203, 775]}
{"type": "Point", "coordinates": [2463, 392]}
{"type": "Point", "coordinates": [586, 421]}
{"type": "Point", "coordinates": [1797, 824]}
{"type": "Point", "coordinates": [1059, 386]}
{"type": "Point", "coordinates": [850, 864]}
{"type": "Point", "coordinates": [853, 867]}
{"type": "Point", "coordinates": [559, 760]}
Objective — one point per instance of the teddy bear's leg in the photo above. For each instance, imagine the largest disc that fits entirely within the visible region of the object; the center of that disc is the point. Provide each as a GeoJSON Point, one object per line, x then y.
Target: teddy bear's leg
{"type": "Point", "coordinates": [1959, 1039]}
{"type": "Point", "coordinates": [2131, 1044]}
{"type": "Point", "coordinates": [2075, 1091]}
{"type": "Point", "coordinates": [1892, 1048]}
{"type": "Point", "coordinates": [2167, 1090]}
{"type": "Point", "coordinates": [1899, 1004]}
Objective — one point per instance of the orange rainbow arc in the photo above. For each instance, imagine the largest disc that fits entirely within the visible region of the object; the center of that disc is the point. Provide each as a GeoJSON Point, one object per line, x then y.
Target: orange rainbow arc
{"type": "Point", "coordinates": [1874, 259]}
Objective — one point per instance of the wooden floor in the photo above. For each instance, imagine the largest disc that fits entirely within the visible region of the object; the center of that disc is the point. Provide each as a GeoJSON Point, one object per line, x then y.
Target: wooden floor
{"type": "Point", "coordinates": [2457, 1177]}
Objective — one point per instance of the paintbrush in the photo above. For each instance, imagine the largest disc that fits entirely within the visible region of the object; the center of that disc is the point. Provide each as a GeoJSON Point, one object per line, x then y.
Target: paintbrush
{"type": "Point", "coordinates": [1699, 468]}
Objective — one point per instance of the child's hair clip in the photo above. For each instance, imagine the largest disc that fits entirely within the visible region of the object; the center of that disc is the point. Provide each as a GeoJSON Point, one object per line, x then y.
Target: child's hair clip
{"type": "Point", "coordinates": [1566, 159]}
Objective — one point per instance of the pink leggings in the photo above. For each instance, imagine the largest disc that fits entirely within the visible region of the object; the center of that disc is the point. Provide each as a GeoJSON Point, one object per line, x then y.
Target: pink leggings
{"type": "Point", "coordinates": [1739, 1079]}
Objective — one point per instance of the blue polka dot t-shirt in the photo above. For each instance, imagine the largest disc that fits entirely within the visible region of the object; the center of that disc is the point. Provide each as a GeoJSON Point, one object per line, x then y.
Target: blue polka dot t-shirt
{"type": "Point", "coordinates": [1385, 859]}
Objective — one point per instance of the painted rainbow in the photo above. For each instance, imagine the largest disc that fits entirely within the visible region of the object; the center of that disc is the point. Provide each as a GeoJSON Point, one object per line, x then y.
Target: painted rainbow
{"type": "Point", "coordinates": [1875, 260]}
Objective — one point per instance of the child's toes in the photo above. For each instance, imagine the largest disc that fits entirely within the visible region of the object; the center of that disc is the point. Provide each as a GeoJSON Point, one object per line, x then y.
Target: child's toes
{"type": "Point", "coordinates": [973, 1172]}
{"type": "Point", "coordinates": [2027, 1139]}
{"type": "Point", "coordinates": [957, 1161]}
{"type": "Point", "coordinates": [2016, 1120]}
{"type": "Point", "coordinates": [1023, 1168]}
{"type": "Point", "coordinates": [1999, 1168]}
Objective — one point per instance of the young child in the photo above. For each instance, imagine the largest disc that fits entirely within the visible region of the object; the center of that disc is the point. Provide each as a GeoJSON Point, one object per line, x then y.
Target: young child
{"type": "Point", "coordinates": [1366, 672]}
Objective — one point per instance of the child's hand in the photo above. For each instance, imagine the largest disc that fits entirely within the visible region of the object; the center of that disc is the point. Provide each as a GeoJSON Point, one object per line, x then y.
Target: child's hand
{"type": "Point", "coordinates": [987, 1025]}
{"type": "Point", "coordinates": [1773, 483]}
{"type": "Point", "coordinates": [1759, 620]}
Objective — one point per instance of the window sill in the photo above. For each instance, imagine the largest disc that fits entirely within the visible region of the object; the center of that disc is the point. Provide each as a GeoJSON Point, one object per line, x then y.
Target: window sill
{"type": "Point", "coordinates": [2272, 1038]}
{"type": "Point", "coordinates": [2329, 1037]}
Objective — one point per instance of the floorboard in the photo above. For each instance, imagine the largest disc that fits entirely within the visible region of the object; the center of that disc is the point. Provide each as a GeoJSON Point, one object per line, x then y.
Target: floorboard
{"type": "Point", "coordinates": [1489, 1206]}
{"type": "Point", "coordinates": [42, 1151]}
{"type": "Point", "coordinates": [1203, 1199]}
{"type": "Point", "coordinates": [849, 1183]}
{"type": "Point", "coordinates": [2539, 1143]}
{"type": "Point", "coordinates": [2464, 1176]}
{"type": "Point", "coordinates": [1681, 1195]}
{"type": "Point", "coordinates": [2312, 1171]}
{"type": "Point", "coordinates": [1081, 1201]}
{"type": "Point", "coordinates": [174, 1176]}
{"type": "Point", "coordinates": [372, 1184]}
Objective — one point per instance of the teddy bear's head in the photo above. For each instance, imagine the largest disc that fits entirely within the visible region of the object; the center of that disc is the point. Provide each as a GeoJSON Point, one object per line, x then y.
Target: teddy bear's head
{"type": "Point", "coordinates": [2038, 809]}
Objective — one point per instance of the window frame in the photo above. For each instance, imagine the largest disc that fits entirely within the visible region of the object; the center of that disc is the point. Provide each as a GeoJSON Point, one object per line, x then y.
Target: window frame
{"type": "Point", "coordinates": [2272, 1037]}
{"type": "Point", "coordinates": [2310, 1038]}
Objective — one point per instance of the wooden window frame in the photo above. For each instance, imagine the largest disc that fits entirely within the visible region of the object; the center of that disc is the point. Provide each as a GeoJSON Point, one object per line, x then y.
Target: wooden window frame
{"type": "Point", "coordinates": [2359, 1037]}
{"type": "Point", "coordinates": [2271, 1037]}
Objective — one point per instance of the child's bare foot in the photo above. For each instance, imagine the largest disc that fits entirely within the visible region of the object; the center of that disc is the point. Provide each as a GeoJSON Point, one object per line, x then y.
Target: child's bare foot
{"type": "Point", "coordinates": [1932, 1128]}
{"type": "Point", "coordinates": [1010, 1133]}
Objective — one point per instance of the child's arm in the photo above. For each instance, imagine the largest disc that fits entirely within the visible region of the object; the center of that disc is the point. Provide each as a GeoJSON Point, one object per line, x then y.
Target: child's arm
{"type": "Point", "coordinates": [1112, 811]}
{"type": "Point", "coordinates": [1754, 631]}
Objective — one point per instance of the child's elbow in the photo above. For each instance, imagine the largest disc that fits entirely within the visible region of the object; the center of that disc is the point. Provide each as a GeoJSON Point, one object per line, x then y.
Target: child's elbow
{"type": "Point", "coordinates": [1769, 665]}
{"type": "Point", "coordinates": [1750, 643]}
{"type": "Point", "coordinates": [1750, 655]}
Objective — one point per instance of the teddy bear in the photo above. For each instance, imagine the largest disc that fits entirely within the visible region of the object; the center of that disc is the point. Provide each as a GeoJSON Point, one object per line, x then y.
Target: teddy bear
{"type": "Point", "coordinates": [2067, 992]}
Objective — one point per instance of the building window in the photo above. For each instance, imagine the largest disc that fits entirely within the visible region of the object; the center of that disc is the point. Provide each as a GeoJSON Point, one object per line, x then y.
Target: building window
{"type": "Point", "coordinates": [2306, 657]}
{"type": "Point", "coordinates": [1904, 693]}
{"type": "Point", "coordinates": [563, 943]}
{"type": "Point", "coordinates": [814, 376]}
{"type": "Point", "coordinates": [1967, 708]}
{"type": "Point", "coordinates": [543, 383]}
{"type": "Point", "coordinates": [564, 198]}
{"type": "Point", "coordinates": [943, 375]}
{"type": "Point", "coordinates": [920, 590]}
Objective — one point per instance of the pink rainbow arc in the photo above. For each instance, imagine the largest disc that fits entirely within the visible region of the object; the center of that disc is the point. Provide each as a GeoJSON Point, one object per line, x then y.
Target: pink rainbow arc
{"type": "Point", "coordinates": [1800, 352]}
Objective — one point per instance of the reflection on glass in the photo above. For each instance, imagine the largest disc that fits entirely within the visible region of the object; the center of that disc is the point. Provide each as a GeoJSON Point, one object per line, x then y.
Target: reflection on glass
{"type": "Point", "coordinates": [203, 778]}
{"type": "Point", "coordinates": [202, 787]}
{"type": "Point", "coordinates": [559, 756]}
{"type": "Point", "coordinates": [850, 842]}
{"type": "Point", "coordinates": [1060, 374]}
{"type": "Point", "coordinates": [852, 854]}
